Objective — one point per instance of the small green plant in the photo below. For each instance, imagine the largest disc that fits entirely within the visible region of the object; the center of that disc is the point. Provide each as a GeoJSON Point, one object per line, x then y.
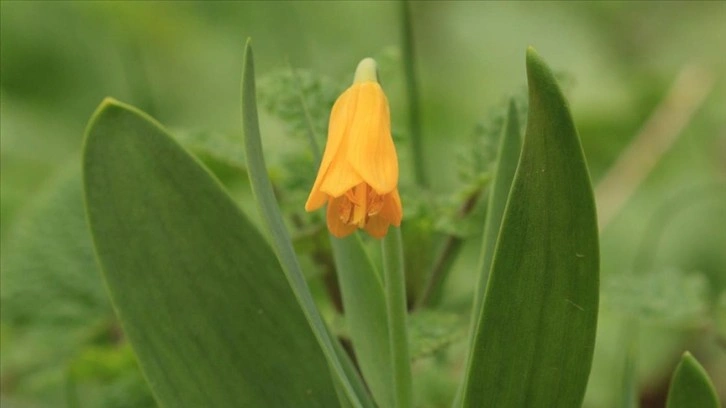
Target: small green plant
{"type": "Point", "coordinates": [440, 251]}
{"type": "Point", "coordinates": [219, 315]}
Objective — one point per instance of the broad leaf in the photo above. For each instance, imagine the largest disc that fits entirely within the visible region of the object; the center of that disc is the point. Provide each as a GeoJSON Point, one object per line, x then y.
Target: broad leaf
{"type": "Point", "coordinates": [536, 333]}
{"type": "Point", "coordinates": [691, 387]}
{"type": "Point", "coordinates": [199, 293]}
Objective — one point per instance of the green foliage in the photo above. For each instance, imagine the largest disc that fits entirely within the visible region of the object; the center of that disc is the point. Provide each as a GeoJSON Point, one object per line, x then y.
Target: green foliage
{"type": "Point", "coordinates": [535, 335]}
{"type": "Point", "coordinates": [56, 316]}
{"type": "Point", "coordinates": [61, 343]}
{"type": "Point", "coordinates": [431, 331]}
{"type": "Point", "coordinates": [301, 99]}
{"type": "Point", "coordinates": [477, 158]}
{"type": "Point", "coordinates": [199, 293]}
{"type": "Point", "coordinates": [691, 387]}
{"type": "Point", "coordinates": [668, 297]}
{"type": "Point", "coordinates": [49, 274]}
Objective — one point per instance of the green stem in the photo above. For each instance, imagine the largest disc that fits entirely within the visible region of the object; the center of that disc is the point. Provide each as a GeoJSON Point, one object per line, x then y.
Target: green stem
{"type": "Point", "coordinates": [414, 114]}
{"type": "Point", "coordinates": [395, 288]}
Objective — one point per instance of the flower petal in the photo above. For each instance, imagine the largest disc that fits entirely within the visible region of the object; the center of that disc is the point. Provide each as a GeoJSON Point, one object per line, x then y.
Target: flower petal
{"type": "Point", "coordinates": [377, 226]}
{"type": "Point", "coordinates": [340, 176]}
{"type": "Point", "coordinates": [340, 115]}
{"type": "Point", "coordinates": [335, 225]}
{"type": "Point", "coordinates": [391, 214]}
{"type": "Point", "coordinates": [392, 209]}
{"type": "Point", "coordinates": [371, 151]}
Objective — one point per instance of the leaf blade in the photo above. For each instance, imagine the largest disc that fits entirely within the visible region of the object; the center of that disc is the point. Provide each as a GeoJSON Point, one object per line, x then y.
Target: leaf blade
{"type": "Point", "coordinates": [535, 337]}
{"type": "Point", "coordinates": [510, 146]}
{"type": "Point", "coordinates": [365, 306]}
{"type": "Point", "coordinates": [395, 292]}
{"type": "Point", "coordinates": [199, 293]}
{"type": "Point", "coordinates": [690, 386]}
{"type": "Point", "coordinates": [270, 212]}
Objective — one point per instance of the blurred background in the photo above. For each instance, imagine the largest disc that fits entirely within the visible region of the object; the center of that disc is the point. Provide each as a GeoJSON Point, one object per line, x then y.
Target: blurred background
{"type": "Point", "coordinates": [645, 82]}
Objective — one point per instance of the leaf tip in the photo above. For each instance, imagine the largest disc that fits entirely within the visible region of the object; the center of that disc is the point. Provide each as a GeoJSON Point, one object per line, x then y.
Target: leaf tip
{"type": "Point", "coordinates": [248, 48]}
{"type": "Point", "coordinates": [535, 64]}
{"type": "Point", "coordinates": [541, 81]}
{"type": "Point", "coordinates": [109, 101]}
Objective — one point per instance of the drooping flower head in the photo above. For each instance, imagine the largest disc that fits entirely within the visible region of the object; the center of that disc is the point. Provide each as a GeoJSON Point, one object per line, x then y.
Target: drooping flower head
{"type": "Point", "coordinates": [358, 175]}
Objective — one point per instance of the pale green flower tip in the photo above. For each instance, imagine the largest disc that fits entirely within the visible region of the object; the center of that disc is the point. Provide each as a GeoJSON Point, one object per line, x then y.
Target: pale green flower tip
{"type": "Point", "coordinates": [367, 71]}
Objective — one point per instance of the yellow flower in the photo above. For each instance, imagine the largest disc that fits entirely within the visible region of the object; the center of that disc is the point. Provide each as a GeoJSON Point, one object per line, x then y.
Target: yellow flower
{"type": "Point", "coordinates": [358, 175]}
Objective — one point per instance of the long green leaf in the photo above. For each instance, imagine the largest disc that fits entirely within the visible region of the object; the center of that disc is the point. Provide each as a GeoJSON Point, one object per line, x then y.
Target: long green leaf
{"type": "Point", "coordinates": [200, 294]}
{"type": "Point", "coordinates": [691, 387]}
{"type": "Point", "coordinates": [395, 288]}
{"type": "Point", "coordinates": [365, 308]}
{"type": "Point", "coordinates": [536, 333]}
{"type": "Point", "coordinates": [270, 211]}
{"type": "Point", "coordinates": [412, 93]}
{"type": "Point", "coordinates": [510, 146]}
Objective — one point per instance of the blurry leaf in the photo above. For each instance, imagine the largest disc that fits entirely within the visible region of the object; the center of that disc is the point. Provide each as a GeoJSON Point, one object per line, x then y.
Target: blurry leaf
{"type": "Point", "coordinates": [720, 317]}
{"type": "Point", "coordinates": [478, 157]}
{"type": "Point", "coordinates": [431, 331]}
{"type": "Point", "coordinates": [667, 297]}
{"type": "Point", "coordinates": [54, 302]}
{"type": "Point", "coordinates": [510, 146]}
{"type": "Point", "coordinates": [364, 304]}
{"type": "Point", "coordinates": [199, 293]}
{"type": "Point", "coordinates": [691, 387]}
{"type": "Point", "coordinates": [348, 385]}
{"type": "Point", "coordinates": [127, 392]}
{"type": "Point", "coordinates": [215, 147]}
{"type": "Point", "coordinates": [300, 98]}
{"type": "Point", "coordinates": [108, 377]}
{"type": "Point", "coordinates": [536, 333]}
{"type": "Point", "coordinates": [462, 214]}
{"type": "Point", "coordinates": [49, 272]}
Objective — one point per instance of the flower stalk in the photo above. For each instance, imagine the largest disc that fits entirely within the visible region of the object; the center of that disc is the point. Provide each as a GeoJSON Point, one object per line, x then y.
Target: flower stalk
{"type": "Point", "coordinates": [412, 90]}
{"type": "Point", "coordinates": [395, 288]}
